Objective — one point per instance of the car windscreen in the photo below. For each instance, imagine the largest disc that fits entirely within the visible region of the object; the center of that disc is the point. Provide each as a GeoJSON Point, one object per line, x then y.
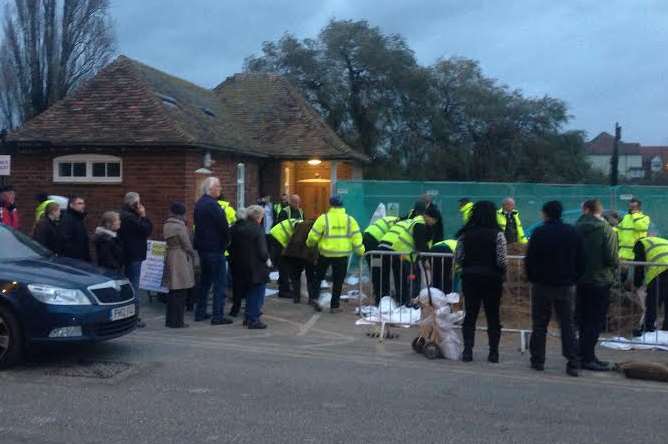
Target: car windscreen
{"type": "Point", "coordinates": [16, 245]}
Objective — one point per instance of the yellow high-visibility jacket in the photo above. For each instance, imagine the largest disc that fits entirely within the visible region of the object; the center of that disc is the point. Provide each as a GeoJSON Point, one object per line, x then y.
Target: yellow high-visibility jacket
{"type": "Point", "coordinates": [656, 250]}
{"type": "Point", "coordinates": [501, 220]}
{"type": "Point", "coordinates": [283, 231]}
{"type": "Point", "coordinates": [230, 213]}
{"type": "Point", "coordinates": [336, 234]}
{"type": "Point", "coordinates": [378, 229]}
{"type": "Point", "coordinates": [632, 228]}
{"type": "Point", "coordinates": [466, 211]}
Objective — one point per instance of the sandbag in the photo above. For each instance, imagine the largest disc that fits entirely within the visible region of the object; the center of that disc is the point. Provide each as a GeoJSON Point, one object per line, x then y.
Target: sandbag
{"type": "Point", "coordinates": [648, 371]}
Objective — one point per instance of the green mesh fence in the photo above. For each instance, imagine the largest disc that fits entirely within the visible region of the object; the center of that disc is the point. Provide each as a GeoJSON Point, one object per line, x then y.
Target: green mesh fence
{"type": "Point", "coordinates": [362, 197]}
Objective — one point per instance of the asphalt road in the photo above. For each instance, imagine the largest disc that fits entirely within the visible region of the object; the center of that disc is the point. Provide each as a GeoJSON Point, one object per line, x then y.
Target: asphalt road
{"type": "Point", "coordinates": [314, 380]}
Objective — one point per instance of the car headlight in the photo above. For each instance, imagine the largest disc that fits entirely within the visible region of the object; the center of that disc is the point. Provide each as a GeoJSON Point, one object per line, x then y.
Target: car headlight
{"type": "Point", "coordinates": [58, 296]}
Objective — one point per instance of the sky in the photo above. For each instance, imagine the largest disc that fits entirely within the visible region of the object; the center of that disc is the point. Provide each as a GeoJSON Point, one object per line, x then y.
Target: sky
{"type": "Point", "coordinates": [607, 59]}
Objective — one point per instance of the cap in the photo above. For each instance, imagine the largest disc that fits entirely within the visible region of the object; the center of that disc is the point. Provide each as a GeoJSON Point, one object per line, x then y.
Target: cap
{"type": "Point", "coordinates": [336, 201]}
{"type": "Point", "coordinates": [177, 208]}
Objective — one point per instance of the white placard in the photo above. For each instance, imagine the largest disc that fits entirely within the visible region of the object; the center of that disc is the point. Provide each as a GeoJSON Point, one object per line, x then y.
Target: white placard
{"type": "Point", "coordinates": [153, 268]}
{"type": "Point", "coordinates": [625, 196]}
{"type": "Point", "coordinates": [5, 165]}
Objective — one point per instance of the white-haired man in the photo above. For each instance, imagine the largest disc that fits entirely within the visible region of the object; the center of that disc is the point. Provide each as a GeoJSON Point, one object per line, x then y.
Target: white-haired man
{"type": "Point", "coordinates": [134, 232]}
{"type": "Point", "coordinates": [510, 223]}
{"type": "Point", "coordinates": [211, 240]}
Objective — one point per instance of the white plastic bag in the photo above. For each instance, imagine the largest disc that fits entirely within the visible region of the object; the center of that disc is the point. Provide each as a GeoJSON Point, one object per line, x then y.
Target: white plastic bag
{"type": "Point", "coordinates": [325, 300]}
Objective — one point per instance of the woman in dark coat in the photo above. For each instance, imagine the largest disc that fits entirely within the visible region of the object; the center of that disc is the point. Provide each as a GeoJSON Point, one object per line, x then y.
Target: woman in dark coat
{"type": "Point", "coordinates": [47, 231]}
{"type": "Point", "coordinates": [179, 276]}
{"type": "Point", "coordinates": [108, 246]}
{"type": "Point", "coordinates": [481, 257]}
{"type": "Point", "coordinates": [250, 256]}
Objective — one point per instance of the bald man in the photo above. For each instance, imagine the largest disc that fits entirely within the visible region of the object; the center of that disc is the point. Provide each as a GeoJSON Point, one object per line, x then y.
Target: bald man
{"type": "Point", "coordinates": [510, 223]}
{"type": "Point", "coordinates": [292, 211]}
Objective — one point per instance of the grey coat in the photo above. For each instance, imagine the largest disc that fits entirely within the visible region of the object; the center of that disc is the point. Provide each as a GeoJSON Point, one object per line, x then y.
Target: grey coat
{"type": "Point", "coordinates": [179, 274]}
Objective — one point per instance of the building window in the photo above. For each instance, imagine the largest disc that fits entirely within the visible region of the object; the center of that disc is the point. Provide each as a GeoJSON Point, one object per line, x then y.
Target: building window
{"type": "Point", "coordinates": [241, 185]}
{"type": "Point", "coordinates": [87, 168]}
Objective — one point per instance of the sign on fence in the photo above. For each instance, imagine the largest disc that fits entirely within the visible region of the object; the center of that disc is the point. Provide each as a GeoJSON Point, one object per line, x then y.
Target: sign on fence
{"type": "Point", "coordinates": [5, 165]}
{"type": "Point", "coordinates": [393, 209]}
{"type": "Point", "coordinates": [153, 268]}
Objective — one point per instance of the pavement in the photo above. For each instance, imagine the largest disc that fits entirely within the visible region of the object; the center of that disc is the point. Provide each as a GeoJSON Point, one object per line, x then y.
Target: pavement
{"type": "Point", "coordinates": [315, 378]}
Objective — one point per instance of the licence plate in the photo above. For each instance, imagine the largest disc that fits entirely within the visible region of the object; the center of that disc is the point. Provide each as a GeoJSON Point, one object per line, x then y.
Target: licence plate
{"type": "Point", "coordinates": [122, 312]}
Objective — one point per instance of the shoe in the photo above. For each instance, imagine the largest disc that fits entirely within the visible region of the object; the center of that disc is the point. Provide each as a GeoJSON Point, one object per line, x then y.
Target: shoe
{"type": "Point", "coordinates": [141, 324]}
{"type": "Point", "coordinates": [202, 318]}
{"type": "Point", "coordinates": [257, 325]}
{"type": "Point", "coordinates": [493, 356]}
{"type": "Point", "coordinates": [572, 371]}
{"type": "Point", "coordinates": [602, 363]}
{"type": "Point", "coordinates": [223, 321]}
{"type": "Point", "coordinates": [184, 326]}
{"type": "Point", "coordinates": [285, 296]}
{"type": "Point", "coordinates": [467, 355]}
{"type": "Point", "coordinates": [538, 367]}
{"type": "Point", "coordinates": [335, 310]}
{"type": "Point", "coordinates": [317, 308]}
{"type": "Point", "coordinates": [595, 367]}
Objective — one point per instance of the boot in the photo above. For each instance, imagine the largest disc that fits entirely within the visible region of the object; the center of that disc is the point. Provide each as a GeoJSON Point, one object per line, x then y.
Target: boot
{"type": "Point", "coordinates": [469, 338]}
{"type": "Point", "coordinates": [494, 339]}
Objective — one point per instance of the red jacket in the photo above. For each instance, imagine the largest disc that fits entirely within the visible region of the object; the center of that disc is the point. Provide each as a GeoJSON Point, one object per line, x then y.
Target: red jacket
{"type": "Point", "coordinates": [9, 216]}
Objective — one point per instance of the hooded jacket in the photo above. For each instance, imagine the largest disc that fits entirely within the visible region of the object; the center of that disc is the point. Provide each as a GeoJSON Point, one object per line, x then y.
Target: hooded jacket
{"type": "Point", "coordinates": [600, 251]}
{"type": "Point", "coordinates": [75, 236]}
{"type": "Point", "coordinates": [108, 249]}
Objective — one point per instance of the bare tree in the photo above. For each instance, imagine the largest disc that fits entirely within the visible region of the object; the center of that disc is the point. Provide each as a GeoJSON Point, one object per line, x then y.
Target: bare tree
{"type": "Point", "coordinates": [48, 48]}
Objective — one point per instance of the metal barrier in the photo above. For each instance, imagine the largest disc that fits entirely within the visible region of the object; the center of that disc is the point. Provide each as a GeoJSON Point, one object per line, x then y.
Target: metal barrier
{"type": "Point", "coordinates": [395, 277]}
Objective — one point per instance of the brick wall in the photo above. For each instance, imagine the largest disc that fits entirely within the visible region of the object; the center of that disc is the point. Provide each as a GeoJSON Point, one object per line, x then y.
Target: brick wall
{"type": "Point", "coordinates": [160, 176]}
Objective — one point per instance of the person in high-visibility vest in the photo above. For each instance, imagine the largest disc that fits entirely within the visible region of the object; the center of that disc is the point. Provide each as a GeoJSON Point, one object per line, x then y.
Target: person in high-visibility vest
{"type": "Point", "coordinates": [435, 229]}
{"type": "Point", "coordinates": [278, 239]}
{"type": "Point", "coordinates": [406, 237]}
{"type": "Point", "coordinates": [633, 227]}
{"type": "Point", "coordinates": [230, 213]}
{"type": "Point", "coordinates": [441, 267]}
{"type": "Point", "coordinates": [510, 223]}
{"type": "Point", "coordinates": [653, 279]}
{"type": "Point", "coordinates": [279, 206]}
{"type": "Point", "coordinates": [291, 211]}
{"type": "Point", "coordinates": [337, 235]}
{"type": "Point", "coordinates": [371, 238]}
{"type": "Point", "coordinates": [465, 209]}
{"type": "Point", "coordinates": [42, 201]}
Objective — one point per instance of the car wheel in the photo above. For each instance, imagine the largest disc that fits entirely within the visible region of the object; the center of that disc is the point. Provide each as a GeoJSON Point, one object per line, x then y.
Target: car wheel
{"type": "Point", "coordinates": [11, 342]}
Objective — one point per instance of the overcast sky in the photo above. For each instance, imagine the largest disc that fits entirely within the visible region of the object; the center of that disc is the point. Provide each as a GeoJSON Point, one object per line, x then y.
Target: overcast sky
{"type": "Point", "coordinates": [608, 59]}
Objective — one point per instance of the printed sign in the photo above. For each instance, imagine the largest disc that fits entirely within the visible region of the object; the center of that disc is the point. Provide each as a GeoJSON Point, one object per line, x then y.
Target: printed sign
{"type": "Point", "coordinates": [393, 209]}
{"type": "Point", "coordinates": [625, 196]}
{"type": "Point", "coordinates": [153, 268]}
{"type": "Point", "coordinates": [5, 165]}
{"type": "Point", "coordinates": [431, 193]}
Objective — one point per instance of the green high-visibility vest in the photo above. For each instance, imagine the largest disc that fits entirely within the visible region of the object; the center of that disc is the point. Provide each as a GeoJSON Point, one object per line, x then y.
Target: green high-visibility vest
{"type": "Point", "coordinates": [450, 243]}
{"type": "Point", "coordinates": [656, 250]}
{"type": "Point", "coordinates": [400, 237]}
{"type": "Point", "coordinates": [379, 228]}
{"type": "Point", "coordinates": [283, 231]}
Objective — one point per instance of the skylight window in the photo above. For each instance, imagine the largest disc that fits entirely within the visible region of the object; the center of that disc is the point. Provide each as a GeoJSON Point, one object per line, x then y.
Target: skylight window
{"type": "Point", "coordinates": [208, 112]}
{"type": "Point", "coordinates": [169, 101]}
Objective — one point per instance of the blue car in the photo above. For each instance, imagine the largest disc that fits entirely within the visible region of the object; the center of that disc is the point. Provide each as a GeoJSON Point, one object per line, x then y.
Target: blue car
{"type": "Point", "coordinates": [48, 299]}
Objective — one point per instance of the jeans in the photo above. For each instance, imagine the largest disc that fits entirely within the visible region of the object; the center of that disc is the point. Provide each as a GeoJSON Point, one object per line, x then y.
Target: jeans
{"type": "Point", "coordinates": [591, 314]}
{"type": "Point", "coordinates": [543, 298]}
{"type": "Point", "coordinates": [254, 302]}
{"type": "Point", "coordinates": [132, 272]}
{"type": "Point", "coordinates": [486, 291]}
{"type": "Point", "coordinates": [214, 273]}
{"type": "Point", "coordinates": [339, 269]}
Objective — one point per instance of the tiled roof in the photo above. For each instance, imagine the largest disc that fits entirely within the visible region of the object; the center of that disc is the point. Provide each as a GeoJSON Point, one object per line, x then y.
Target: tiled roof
{"type": "Point", "coordinates": [603, 143]}
{"type": "Point", "coordinates": [129, 103]}
{"type": "Point", "coordinates": [281, 121]}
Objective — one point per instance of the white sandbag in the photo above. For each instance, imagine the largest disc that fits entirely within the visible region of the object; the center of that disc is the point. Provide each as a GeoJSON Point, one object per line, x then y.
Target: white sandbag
{"type": "Point", "coordinates": [325, 284]}
{"type": "Point", "coordinates": [273, 275]}
{"type": "Point", "coordinates": [270, 292]}
{"type": "Point", "coordinates": [388, 312]}
{"type": "Point", "coordinates": [657, 340]}
{"type": "Point", "coordinates": [438, 298]}
{"type": "Point", "coordinates": [352, 280]}
{"type": "Point", "coordinates": [304, 286]}
{"type": "Point", "coordinates": [387, 304]}
{"type": "Point", "coordinates": [444, 321]}
{"type": "Point", "coordinates": [325, 300]}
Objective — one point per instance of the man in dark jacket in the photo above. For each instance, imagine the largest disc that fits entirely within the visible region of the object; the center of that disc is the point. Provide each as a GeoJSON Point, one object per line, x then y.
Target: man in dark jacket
{"type": "Point", "coordinates": [554, 263]}
{"type": "Point", "coordinates": [298, 258]}
{"type": "Point", "coordinates": [47, 231]}
{"type": "Point", "coordinates": [211, 240]}
{"type": "Point", "coordinates": [73, 230]}
{"type": "Point", "coordinates": [134, 233]}
{"type": "Point", "coordinates": [291, 211]}
{"type": "Point", "coordinates": [593, 290]}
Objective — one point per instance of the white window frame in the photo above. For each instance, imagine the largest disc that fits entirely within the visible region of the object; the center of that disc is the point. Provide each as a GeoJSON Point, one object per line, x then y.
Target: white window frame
{"type": "Point", "coordinates": [89, 160]}
{"type": "Point", "coordinates": [241, 185]}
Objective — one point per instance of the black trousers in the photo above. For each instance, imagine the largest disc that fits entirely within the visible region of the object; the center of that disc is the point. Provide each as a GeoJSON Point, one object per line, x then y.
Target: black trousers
{"type": "Point", "coordinates": [296, 266]}
{"type": "Point", "coordinates": [591, 313]}
{"type": "Point", "coordinates": [339, 269]}
{"type": "Point", "coordinates": [386, 267]}
{"type": "Point", "coordinates": [374, 263]}
{"type": "Point", "coordinates": [275, 251]}
{"type": "Point", "coordinates": [240, 287]}
{"type": "Point", "coordinates": [176, 307]}
{"type": "Point", "coordinates": [441, 271]}
{"type": "Point", "coordinates": [543, 298]}
{"type": "Point", "coordinates": [486, 291]}
{"type": "Point", "coordinates": [657, 293]}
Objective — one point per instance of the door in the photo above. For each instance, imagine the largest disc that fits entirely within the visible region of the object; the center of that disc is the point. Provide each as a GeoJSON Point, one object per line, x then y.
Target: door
{"type": "Point", "coordinates": [315, 196]}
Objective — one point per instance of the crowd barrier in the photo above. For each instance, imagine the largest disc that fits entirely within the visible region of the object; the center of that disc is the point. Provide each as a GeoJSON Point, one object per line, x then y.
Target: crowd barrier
{"type": "Point", "coordinates": [398, 279]}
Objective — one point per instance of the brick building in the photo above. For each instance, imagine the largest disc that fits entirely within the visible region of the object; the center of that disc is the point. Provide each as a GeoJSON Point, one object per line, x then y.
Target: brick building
{"type": "Point", "coordinates": [134, 128]}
